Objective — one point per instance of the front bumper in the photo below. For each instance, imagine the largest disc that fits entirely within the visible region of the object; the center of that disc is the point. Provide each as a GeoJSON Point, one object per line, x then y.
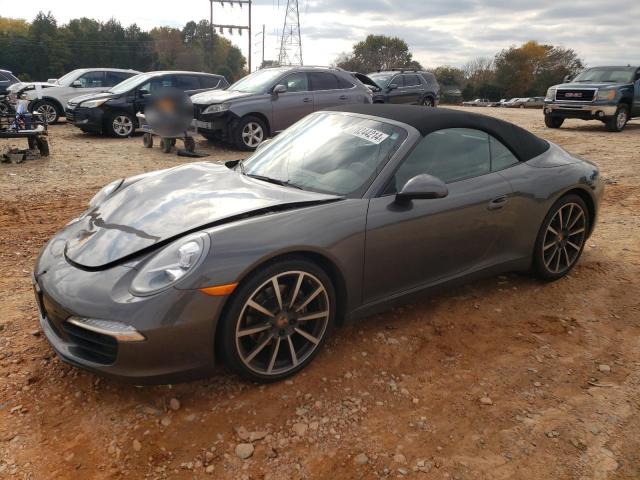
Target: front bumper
{"type": "Point", "coordinates": [178, 325]}
{"type": "Point", "coordinates": [89, 119]}
{"type": "Point", "coordinates": [216, 124]}
{"type": "Point", "coordinates": [590, 111]}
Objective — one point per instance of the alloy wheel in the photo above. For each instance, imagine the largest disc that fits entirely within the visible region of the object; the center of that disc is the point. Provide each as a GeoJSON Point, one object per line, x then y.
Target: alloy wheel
{"type": "Point", "coordinates": [282, 323]}
{"type": "Point", "coordinates": [48, 112]}
{"type": "Point", "coordinates": [564, 238]}
{"type": "Point", "coordinates": [122, 126]}
{"type": "Point", "coordinates": [252, 134]}
{"type": "Point", "coordinates": [621, 119]}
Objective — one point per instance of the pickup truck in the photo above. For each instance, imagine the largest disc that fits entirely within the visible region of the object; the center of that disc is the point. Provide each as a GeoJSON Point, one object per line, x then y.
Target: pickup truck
{"type": "Point", "coordinates": [608, 94]}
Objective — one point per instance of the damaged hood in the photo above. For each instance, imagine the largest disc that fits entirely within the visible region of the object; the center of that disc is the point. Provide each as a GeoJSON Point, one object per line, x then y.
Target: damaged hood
{"type": "Point", "coordinates": [91, 96]}
{"type": "Point", "coordinates": [164, 206]}
{"type": "Point", "coordinates": [218, 96]}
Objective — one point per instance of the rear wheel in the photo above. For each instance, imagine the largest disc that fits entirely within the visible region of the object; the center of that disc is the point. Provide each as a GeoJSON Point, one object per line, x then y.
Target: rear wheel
{"type": "Point", "coordinates": [43, 145]}
{"type": "Point", "coordinates": [553, 122]}
{"type": "Point", "coordinates": [619, 120]}
{"type": "Point", "coordinates": [561, 238]}
{"type": "Point", "coordinates": [277, 320]}
{"type": "Point", "coordinates": [48, 110]}
{"type": "Point", "coordinates": [428, 102]}
{"type": "Point", "coordinates": [249, 133]}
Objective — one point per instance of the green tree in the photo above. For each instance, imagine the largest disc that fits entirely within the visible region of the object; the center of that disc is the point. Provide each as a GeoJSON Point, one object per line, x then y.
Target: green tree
{"type": "Point", "coordinates": [378, 52]}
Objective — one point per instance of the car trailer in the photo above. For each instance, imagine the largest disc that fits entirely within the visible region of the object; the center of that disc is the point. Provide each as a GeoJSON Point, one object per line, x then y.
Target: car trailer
{"type": "Point", "coordinates": [167, 143]}
{"type": "Point", "coordinates": [33, 128]}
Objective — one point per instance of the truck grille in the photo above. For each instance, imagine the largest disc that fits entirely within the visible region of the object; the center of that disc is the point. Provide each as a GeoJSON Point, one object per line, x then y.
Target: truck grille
{"type": "Point", "coordinates": [576, 94]}
{"type": "Point", "coordinates": [93, 346]}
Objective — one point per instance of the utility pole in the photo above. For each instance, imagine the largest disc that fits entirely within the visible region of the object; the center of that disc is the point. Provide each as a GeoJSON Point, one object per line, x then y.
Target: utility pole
{"type": "Point", "coordinates": [261, 36]}
{"type": "Point", "coordinates": [230, 28]}
{"type": "Point", "coordinates": [290, 42]}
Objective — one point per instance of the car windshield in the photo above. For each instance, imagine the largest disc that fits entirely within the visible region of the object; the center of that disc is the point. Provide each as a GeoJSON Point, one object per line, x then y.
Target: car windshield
{"type": "Point", "coordinates": [257, 82]}
{"type": "Point", "coordinates": [381, 79]}
{"type": "Point", "coordinates": [606, 75]}
{"type": "Point", "coordinates": [66, 80]}
{"type": "Point", "coordinates": [338, 154]}
{"type": "Point", "coordinates": [130, 83]}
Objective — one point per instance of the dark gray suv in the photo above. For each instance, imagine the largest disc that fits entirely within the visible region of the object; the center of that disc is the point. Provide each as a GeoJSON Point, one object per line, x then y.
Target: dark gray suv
{"type": "Point", "coordinates": [406, 86]}
{"type": "Point", "coordinates": [270, 100]}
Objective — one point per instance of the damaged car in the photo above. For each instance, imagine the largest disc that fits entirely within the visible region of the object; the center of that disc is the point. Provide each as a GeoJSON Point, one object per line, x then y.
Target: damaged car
{"type": "Point", "coordinates": [347, 212]}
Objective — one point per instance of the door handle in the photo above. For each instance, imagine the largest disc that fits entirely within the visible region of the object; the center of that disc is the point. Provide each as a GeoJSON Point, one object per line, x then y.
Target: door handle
{"type": "Point", "coordinates": [306, 100]}
{"type": "Point", "coordinates": [497, 203]}
{"type": "Point", "coordinates": [343, 97]}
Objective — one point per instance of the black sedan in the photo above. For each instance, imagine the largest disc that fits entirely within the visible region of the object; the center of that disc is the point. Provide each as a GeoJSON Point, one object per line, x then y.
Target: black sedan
{"type": "Point", "coordinates": [346, 212]}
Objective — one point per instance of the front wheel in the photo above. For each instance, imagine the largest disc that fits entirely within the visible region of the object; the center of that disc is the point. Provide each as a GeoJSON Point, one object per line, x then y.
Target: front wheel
{"type": "Point", "coordinates": [561, 238]}
{"type": "Point", "coordinates": [277, 320]}
{"type": "Point", "coordinates": [428, 102]}
{"type": "Point", "coordinates": [249, 133]}
{"type": "Point", "coordinates": [553, 122]}
{"type": "Point", "coordinates": [619, 120]}
{"type": "Point", "coordinates": [48, 111]}
{"type": "Point", "coordinates": [121, 125]}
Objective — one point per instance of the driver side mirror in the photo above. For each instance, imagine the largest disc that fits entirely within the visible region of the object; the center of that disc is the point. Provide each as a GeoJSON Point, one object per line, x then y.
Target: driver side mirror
{"type": "Point", "coordinates": [566, 79]}
{"type": "Point", "coordinates": [76, 84]}
{"type": "Point", "coordinates": [280, 88]}
{"type": "Point", "coordinates": [51, 80]}
{"type": "Point", "coordinates": [392, 86]}
{"type": "Point", "coordinates": [422, 187]}
{"type": "Point", "coordinates": [143, 93]}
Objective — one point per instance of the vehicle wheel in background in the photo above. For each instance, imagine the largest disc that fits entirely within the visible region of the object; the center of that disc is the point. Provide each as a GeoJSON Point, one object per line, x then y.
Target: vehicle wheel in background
{"type": "Point", "coordinates": [189, 144]}
{"type": "Point", "coordinates": [166, 144]}
{"type": "Point", "coordinates": [121, 125]}
{"type": "Point", "coordinates": [277, 320]}
{"type": "Point", "coordinates": [553, 122]}
{"type": "Point", "coordinates": [249, 133]}
{"type": "Point", "coordinates": [147, 140]}
{"type": "Point", "coordinates": [428, 102]}
{"type": "Point", "coordinates": [561, 238]}
{"type": "Point", "coordinates": [4, 108]}
{"type": "Point", "coordinates": [619, 120]}
{"type": "Point", "coordinates": [33, 143]}
{"type": "Point", "coordinates": [43, 145]}
{"type": "Point", "coordinates": [522, 106]}
{"type": "Point", "coordinates": [47, 109]}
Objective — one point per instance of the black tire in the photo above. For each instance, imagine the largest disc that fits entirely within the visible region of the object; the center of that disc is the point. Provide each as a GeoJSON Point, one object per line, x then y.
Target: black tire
{"type": "Point", "coordinates": [189, 144]}
{"type": "Point", "coordinates": [428, 102]}
{"type": "Point", "coordinates": [43, 146]}
{"type": "Point", "coordinates": [121, 124]}
{"type": "Point", "coordinates": [242, 136]}
{"type": "Point", "coordinates": [33, 143]}
{"type": "Point", "coordinates": [147, 140]}
{"type": "Point", "coordinates": [259, 286]}
{"type": "Point", "coordinates": [555, 255]}
{"type": "Point", "coordinates": [49, 110]}
{"type": "Point", "coordinates": [619, 120]}
{"type": "Point", "coordinates": [4, 108]}
{"type": "Point", "coordinates": [166, 145]}
{"type": "Point", "coordinates": [553, 122]}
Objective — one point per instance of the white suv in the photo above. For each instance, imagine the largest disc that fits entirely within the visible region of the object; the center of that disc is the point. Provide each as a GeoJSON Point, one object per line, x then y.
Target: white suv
{"type": "Point", "coordinates": [77, 82]}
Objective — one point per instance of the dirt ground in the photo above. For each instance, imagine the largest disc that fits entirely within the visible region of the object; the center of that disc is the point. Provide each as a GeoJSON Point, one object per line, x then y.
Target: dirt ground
{"type": "Point", "coordinates": [506, 378]}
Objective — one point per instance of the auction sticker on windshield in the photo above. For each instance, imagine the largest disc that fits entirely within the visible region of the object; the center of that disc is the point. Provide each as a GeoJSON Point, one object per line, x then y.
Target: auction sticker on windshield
{"type": "Point", "coordinates": [370, 134]}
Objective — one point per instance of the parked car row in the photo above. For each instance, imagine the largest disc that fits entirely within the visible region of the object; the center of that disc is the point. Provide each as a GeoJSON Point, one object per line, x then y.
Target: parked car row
{"type": "Point", "coordinates": [106, 100]}
{"type": "Point", "coordinates": [526, 102]}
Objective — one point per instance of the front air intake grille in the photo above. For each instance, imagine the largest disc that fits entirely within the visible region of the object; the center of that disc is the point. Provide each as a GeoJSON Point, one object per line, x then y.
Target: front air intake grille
{"type": "Point", "coordinates": [92, 346]}
{"type": "Point", "coordinates": [576, 94]}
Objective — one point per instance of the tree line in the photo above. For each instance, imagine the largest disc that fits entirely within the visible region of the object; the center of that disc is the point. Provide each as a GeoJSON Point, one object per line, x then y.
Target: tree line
{"type": "Point", "coordinates": [43, 49]}
{"type": "Point", "coordinates": [524, 71]}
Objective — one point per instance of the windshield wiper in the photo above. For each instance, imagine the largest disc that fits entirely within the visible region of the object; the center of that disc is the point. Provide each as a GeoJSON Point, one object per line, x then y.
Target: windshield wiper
{"type": "Point", "coordinates": [275, 181]}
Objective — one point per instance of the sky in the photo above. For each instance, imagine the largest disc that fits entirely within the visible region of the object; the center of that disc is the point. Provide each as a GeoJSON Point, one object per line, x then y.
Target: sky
{"type": "Point", "coordinates": [439, 32]}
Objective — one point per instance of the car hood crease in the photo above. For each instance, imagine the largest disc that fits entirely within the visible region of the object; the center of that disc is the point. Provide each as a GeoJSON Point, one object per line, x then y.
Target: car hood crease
{"type": "Point", "coordinates": [163, 207]}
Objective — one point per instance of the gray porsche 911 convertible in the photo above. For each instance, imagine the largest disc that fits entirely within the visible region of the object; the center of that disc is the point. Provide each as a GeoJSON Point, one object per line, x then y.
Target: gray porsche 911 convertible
{"type": "Point", "coordinates": [346, 212]}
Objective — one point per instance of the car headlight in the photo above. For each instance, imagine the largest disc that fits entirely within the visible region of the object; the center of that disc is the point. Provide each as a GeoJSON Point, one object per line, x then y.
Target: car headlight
{"type": "Point", "coordinates": [551, 94]}
{"type": "Point", "coordinates": [216, 108]}
{"type": "Point", "coordinates": [94, 103]}
{"type": "Point", "coordinates": [105, 193]}
{"type": "Point", "coordinates": [171, 264]}
{"type": "Point", "coordinates": [606, 94]}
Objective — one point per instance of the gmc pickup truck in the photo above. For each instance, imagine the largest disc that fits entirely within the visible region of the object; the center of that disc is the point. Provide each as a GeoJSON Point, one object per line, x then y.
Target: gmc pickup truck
{"type": "Point", "coordinates": [608, 94]}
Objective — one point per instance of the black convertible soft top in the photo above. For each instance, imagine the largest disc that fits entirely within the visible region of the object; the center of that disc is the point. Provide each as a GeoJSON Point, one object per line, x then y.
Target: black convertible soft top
{"type": "Point", "coordinates": [522, 143]}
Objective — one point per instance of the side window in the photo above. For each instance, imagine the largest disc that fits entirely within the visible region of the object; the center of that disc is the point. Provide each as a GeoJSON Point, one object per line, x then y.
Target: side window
{"type": "Point", "coordinates": [187, 82]}
{"type": "Point", "coordinates": [3, 78]}
{"type": "Point", "coordinates": [411, 81]}
{"type": "Point", "coordinates": [166, 81]}
{"type": "Point", "coordinates": [451, 155]}
{"type": "Point", "coordinates": [501, 156]}
{"type": "Point", "coordinates": [208, 82]}
{"type": "Point", "coordinates": [398, 80]}
{"type": "Point", "coordinates": [342, 83]}
{"type": "Point", "coordinates": [114, 78]}
{"type": "Point", "coordinates": [92, 79]}
{"type": "Point", "coordinates": [323, 81]}
{"type": "Point", "coordinates": [296, 82]}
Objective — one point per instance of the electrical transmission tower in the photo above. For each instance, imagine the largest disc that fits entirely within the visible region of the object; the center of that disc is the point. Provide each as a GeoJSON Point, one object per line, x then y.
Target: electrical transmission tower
{"type": "Point", "coordinates": [290, 43]}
